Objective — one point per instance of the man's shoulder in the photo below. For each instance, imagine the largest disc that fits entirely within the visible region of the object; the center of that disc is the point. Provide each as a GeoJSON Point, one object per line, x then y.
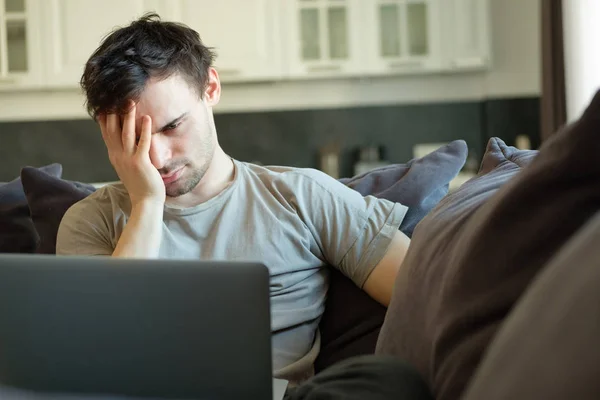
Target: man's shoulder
{"type": "Point", "coordinates": [300, 187]}
{"type": "Point", "coordinates": [103, 201]}
{"type": "Point", "coordinates": [277, 175]}
{"type": "Point", "coordinates": [90, 225]}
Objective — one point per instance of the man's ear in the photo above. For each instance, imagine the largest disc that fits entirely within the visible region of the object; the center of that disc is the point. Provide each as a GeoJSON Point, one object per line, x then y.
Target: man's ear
{"type": "Point", "coordinates": [212, 93]}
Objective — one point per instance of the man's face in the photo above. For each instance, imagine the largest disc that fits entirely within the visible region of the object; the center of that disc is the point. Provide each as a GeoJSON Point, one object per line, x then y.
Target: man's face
{"type": "Point", "coordinates": [183, 131]}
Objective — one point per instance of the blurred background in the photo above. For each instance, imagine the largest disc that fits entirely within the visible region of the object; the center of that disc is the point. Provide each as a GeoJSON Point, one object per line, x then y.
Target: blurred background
{"type": "Point", "coordinates": [340, 85]}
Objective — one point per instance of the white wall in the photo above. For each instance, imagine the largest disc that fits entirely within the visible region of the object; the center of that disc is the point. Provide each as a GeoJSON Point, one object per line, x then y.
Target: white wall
{"type": "Point", "coordinates": [515, 72]}
{"type": "Point", "coordinates": [581, 29]}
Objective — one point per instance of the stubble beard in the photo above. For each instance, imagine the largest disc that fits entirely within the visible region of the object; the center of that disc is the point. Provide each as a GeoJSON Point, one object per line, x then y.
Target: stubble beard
{"type": "Point", "coordinates": [192, 178]}
{"type": "Point", "coordinates": [189, 182]}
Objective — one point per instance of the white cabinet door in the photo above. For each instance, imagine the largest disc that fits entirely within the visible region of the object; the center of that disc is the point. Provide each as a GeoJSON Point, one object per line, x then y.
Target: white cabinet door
{"type": "Point", "coordinates": [75, 29]}
{"type": "Point", "coordinates": [323, 38]}
{"type": "Point", "coordinates": [244, 34]}
{"type": "Point", "coordinates": [467, 34]}
{"type": "Point", "coordinates": [20, 46]}
{"type": "Point", "coordinates": [403, 35]}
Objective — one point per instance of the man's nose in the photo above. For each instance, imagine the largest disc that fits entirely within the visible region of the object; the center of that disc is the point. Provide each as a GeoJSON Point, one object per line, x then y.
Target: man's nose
{"type": "Point", "coordinates": [159, 152]}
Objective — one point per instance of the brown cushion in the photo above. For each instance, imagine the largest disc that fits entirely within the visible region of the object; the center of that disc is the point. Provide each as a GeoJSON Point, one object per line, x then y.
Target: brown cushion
{"type": "Point", "coordinates": [471, 259]}
{"type": "Point", "coordinates": [418, 310]}
{"type": "Point", "coordinates": [548, 346]}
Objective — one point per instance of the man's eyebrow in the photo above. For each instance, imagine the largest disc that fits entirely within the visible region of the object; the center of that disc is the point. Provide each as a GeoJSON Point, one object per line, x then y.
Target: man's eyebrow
{"type": "Point", "coordinates": [176, 120]}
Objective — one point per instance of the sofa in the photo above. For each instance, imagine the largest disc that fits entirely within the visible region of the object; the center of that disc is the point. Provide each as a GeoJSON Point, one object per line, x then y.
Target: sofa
{"type": "Point", "coordinates": [497, 297]}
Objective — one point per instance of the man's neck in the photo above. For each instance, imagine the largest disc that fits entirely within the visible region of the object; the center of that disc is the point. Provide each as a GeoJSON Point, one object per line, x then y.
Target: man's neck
{"type": "Point", "coordinates": [217, 178]}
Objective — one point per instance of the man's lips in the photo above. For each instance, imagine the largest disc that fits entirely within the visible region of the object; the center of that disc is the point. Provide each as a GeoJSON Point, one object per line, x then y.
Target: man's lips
{"type": "Point", "coordinates": [173, 176]}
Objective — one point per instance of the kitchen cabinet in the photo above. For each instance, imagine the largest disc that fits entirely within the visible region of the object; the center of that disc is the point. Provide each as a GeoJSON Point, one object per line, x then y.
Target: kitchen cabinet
{"type": "Point", "coordinates": [75, 28]}
{"type": "Point", "coordinates": [466, 39]}
{"type": "Point", "coordinates": [343, 38]}
{"type": "Point", "coordinates": [20, 45]}
{"type": "Point", "coordinates": [245, 34]}
{"type": "Point", "coordinates": [323, 38]}
{"type": "Point", "coordinates": [44, 44]}
{"type": "Point", "coordinates": [403, 36]}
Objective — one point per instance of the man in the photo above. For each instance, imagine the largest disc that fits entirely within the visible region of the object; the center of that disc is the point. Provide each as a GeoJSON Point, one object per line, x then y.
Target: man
{"type": "Point", "coordinates": [151, 87]}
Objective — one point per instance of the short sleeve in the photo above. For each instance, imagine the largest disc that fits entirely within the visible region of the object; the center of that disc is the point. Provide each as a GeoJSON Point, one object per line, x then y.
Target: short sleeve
{"type": "Point", "coordinates": [352, 231]}
{"type": "Point", "coordinates": [83, 231]}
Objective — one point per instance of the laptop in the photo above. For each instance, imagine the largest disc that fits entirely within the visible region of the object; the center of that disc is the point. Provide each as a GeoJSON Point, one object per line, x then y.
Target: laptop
{"type": "Point", "coordinates": [160, 329]}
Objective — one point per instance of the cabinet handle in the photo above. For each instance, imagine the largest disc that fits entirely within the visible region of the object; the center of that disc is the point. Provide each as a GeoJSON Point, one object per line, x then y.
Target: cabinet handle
{"type": "Point", "coordinates": [324, 68]}
{"type": "Point", "coordinates": [405, 64]}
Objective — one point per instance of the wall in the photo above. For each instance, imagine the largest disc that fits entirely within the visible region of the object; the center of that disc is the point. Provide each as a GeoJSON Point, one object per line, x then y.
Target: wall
{"type": "Point", "coordinates": [269, 121]}
{"type": "Point", "coordinates": [582, 63]}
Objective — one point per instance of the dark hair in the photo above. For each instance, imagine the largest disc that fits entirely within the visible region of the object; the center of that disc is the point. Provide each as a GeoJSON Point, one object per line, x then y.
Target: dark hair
{"type": "Point", "coordinates": [147, 48]}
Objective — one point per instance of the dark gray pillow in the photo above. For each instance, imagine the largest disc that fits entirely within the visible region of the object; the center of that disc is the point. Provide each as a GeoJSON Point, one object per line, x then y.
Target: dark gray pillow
{"type": "Point", "coordinates": [49, 197]}
{"type": "Point", "coordinates": [17, 231]}
{"type": "Point", "coordinates": [419, 184]}
{"type": "Point", "coordinates": [351, 321]}
{"type": "Point", "coordinates": [473, 256]}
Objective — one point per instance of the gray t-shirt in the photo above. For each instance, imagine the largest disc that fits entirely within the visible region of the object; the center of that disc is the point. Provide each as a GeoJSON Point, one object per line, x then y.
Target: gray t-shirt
{"type": "Point", "coordinates": [295, 221]}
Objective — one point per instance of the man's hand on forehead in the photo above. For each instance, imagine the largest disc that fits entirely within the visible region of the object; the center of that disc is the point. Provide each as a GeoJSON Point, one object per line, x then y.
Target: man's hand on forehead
{"type": "Point", "coordinates": [130, 155]}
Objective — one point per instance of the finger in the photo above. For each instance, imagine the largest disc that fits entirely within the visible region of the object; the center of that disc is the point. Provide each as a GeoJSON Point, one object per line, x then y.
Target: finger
{"type": "Point", "coordinates": [128, 133]}
{"type": "Point", "coordinates": [146, 135]}
{"type": "Point", "coordinates": [102, 122]}
{"type": "Point", "coordinates": [113, 129]}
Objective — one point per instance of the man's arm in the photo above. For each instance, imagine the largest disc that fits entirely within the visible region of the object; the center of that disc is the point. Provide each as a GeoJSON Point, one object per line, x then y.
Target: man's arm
{"type": "Point", "coordinates": [87, 228]}
{"type": "Point", "coordinates": [357, 234]}
{"type": "Point", "coordinates": [143, 233]}
{"type": "Point", "coordinates": [380, 283]}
